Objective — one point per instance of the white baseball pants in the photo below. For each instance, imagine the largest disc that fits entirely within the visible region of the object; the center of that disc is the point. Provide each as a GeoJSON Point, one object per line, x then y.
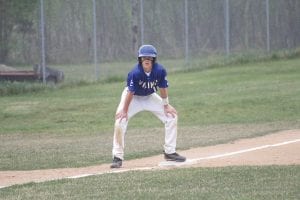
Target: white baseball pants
{"type": "Point", "coordinates": [152, 103]}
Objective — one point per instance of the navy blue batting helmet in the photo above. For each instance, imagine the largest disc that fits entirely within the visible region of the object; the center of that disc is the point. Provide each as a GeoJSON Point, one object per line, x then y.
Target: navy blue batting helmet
{"type": "Point", "coordinates": [147, 51]}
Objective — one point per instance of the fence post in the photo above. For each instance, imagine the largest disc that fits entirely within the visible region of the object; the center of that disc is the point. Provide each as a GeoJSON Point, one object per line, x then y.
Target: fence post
{"type": "Point", "coordinates": [42, 27]}
{"type": "Point", "coordinates": [227, 27]}
{"type": "Point", "coordinates": [268, 24]}
{"type": "Point", "coordinates": [186, 32]}
{"type": "Point", "coordinates": [142, 21]}
{"type": "Point", "coordinates": [95, 40]}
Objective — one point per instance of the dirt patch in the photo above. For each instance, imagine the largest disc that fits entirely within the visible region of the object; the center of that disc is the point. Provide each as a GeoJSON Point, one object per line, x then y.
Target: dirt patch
{"type": "Point", "coordinates": [280, 148]}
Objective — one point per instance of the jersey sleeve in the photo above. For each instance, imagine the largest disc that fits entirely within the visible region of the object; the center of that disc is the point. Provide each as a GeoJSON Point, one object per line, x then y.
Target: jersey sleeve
{"type": "Point", "coordinates": [130, 82]}
{"type": "Point", "coordinates": [163, 83]}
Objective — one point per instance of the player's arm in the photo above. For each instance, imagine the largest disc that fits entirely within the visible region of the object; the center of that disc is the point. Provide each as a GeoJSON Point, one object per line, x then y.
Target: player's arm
{"type": "Point", "coordinates": [163, 93]}
{"type": "Point", "coordinates": [165, 101]}
{"type": "Point", "coordinates": [124, 112]}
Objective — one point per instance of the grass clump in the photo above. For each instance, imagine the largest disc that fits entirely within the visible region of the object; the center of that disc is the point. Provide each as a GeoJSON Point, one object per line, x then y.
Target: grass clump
{"type": "Point", "coordinates": [8, 88]}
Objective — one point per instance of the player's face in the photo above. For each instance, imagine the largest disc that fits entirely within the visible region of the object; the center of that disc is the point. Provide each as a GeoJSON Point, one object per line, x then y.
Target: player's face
{"type": "Point", "coordinates": [147, 63]}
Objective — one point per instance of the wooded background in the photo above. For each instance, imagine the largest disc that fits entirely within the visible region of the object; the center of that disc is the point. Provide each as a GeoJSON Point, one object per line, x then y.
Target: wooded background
{"type": "Point", "coordinates": [69, 28]}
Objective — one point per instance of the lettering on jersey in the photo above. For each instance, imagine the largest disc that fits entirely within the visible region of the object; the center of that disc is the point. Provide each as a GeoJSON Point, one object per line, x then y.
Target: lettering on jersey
{"type": "Point", "coordinates": [166, 80]}
{"type": "Point", "coordinates": [149, 84]}
{"type": "Point", "coordinates": [131, 83]}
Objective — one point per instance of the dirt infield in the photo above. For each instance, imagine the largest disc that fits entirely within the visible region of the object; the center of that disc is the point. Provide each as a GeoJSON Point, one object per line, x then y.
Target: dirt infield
{"type": "Point", "coordinates": [280, 148]}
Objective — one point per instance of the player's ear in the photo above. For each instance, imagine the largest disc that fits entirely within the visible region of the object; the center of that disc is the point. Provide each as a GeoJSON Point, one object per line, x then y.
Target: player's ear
{"type": "Point", "coordinates": [139, 60]}
{"type": "Point", "coordinates": [153, 61]}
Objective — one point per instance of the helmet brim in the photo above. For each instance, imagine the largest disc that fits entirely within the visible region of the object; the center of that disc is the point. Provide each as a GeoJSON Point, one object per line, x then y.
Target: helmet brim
{"type": "Point", "coordinates": [147, 55]}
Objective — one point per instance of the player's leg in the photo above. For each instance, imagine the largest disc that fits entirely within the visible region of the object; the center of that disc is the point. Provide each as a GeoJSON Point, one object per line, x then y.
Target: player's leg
{"type": "Point", "coordinates": [155, 106]}
{"type": "Point", "coordinates": [120, 127]}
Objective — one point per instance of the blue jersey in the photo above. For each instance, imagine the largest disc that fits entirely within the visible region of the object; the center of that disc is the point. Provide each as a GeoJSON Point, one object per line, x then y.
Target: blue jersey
{"type": "Point", "coordinates": [142, 84]}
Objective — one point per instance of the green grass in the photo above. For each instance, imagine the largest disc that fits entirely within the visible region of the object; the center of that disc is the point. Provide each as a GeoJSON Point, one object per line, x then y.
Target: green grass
{"type": "Point", "coordinates": [250, 93]}
{"type": "Point", "coordinates": [73, 126]}
{"type": "Point", "coordinates": [271, 182]}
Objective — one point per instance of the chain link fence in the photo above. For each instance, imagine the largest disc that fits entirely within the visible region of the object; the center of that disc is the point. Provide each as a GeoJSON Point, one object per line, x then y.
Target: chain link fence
{"type": "Point", "coordinates": [95, 39]}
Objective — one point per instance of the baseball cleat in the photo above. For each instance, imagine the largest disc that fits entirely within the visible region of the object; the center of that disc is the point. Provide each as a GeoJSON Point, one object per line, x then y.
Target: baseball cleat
{"type": "Point", "coordinates": [116, 163]}
{"type": "Point", "coordinates": [174, 157]}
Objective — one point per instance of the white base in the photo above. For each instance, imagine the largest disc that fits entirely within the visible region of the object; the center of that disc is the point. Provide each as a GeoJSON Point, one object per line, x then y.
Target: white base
{"type": "Point", "coordinates": [176, 164]}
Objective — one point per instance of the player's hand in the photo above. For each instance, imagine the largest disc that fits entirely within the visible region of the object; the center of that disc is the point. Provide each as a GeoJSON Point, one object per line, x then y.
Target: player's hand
{"type": "Point", "coordinates": [122, 115]}
{"type": "Point", "coordinates": [170, 110]}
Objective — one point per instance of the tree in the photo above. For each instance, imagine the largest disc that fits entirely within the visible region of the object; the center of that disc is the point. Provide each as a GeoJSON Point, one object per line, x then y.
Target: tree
{"type": "Point", "coordinates": [16, 16]}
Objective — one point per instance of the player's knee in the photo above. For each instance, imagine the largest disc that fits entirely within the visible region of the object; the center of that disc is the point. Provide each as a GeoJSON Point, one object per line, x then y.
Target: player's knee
{"type": "Point", "coordinates": [120, 123]}
{"type": "Point", "coordinates": [172, 119]}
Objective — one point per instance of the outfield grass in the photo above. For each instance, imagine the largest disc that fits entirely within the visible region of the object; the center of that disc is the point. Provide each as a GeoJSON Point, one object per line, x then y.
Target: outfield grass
{"type": "Point", "coordinates": [272, 182]}
{"type": "Point", "coordinates": [72, 126]}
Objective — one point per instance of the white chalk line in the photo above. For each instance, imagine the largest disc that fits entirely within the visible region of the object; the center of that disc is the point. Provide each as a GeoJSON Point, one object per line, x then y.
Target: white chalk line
{"type": "Point", "coordinates": [196, 160]}
{"type": "Point", "coordinates": [112, 172]}
{"type": "Point", "coordinates": [188, 161]}
{"type": "Point", "coordinates": [178, 164]}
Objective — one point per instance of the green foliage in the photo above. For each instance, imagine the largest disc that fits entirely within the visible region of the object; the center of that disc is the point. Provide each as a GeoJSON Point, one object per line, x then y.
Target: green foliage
{"type": "Point", "coordinates": [22, 10]}
{"type": "Point", "coordinates": [17, 17]}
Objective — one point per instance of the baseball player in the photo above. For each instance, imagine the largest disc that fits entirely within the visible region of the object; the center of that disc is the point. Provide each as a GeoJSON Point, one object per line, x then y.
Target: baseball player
{"type": "Point", "coordinates": [143, 81]}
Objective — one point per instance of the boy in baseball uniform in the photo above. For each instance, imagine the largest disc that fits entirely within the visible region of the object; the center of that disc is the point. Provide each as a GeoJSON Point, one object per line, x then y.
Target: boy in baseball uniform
{"type": "Point", "coordinates": [143, 81]}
